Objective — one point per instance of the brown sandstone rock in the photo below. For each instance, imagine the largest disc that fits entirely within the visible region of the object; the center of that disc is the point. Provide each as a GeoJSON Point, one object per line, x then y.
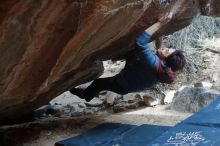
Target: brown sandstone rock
{"type": "Point", "coordinates": [48, 46]}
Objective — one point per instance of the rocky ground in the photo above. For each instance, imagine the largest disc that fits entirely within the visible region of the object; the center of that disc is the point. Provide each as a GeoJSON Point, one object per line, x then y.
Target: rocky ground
{"type": "Point", "coordinates": [162, 105]}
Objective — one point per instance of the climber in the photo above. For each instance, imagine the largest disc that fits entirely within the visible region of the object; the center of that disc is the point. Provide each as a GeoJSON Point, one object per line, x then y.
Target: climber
{"type": "Point", "coordinates": [143, 69]}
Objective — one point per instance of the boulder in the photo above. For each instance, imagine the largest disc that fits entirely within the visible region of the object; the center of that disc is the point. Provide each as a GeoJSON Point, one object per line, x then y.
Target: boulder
{"type": "Point", "coordinates": [169, 95]}
{"type": "Point", "coordinates": [193, 99]}
{"type": "Point", "coordinates": [112, 98]}
{"type": "Point", "coordinates": [149, 100]}
{"type": "Point", "coordinates": [49, 46]}
{"type": "Point", "coordinates": [206, 85]}
{"type": "Point", "coordinates": [95, 102]}
{"type": "Point", "coordinates": [129, 101]}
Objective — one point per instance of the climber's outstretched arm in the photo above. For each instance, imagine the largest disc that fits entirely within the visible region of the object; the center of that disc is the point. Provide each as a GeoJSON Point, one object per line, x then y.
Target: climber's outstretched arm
{"type": "Point", "coordinates": [162, 21]}
{"type": "Point", "coordinates": [152, 29]}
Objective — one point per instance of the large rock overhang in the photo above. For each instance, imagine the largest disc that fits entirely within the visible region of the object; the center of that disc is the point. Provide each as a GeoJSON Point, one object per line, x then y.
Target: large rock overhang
{"type": "Point", "coordinates": [49, 46]}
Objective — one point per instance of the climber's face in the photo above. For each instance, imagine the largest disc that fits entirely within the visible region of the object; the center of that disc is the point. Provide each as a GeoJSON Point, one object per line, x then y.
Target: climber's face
{"type": "Point", "coordinates": [164, 52]}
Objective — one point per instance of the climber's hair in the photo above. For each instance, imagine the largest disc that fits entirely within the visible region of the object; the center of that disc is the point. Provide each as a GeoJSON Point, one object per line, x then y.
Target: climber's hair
{"type": "Point", "coordinates": [176, 61]}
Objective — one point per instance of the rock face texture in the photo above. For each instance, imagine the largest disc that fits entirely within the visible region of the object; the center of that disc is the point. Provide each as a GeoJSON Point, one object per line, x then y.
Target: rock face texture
{"type": "Point", "coordinates": [193, 99]}
{"type": "Point", "coordinates": [48, 46]}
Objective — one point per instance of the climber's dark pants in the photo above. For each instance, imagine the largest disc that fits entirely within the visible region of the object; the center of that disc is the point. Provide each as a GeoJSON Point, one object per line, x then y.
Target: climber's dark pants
{"type": "Point", "coordinates": [101, 84]}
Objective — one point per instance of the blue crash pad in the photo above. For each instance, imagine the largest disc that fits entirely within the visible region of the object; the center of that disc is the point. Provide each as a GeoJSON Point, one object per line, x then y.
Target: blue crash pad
{"type": "Point", "coordinates": [99, 135]}
{"type": "Point", "coordinates": [189, 135]}
{"type": "Point", "coordinates": [109, 134]}
{"type": "Point", "coordinates": [141, 135]}
{"type": "Point", "coordinates": [201, 129]}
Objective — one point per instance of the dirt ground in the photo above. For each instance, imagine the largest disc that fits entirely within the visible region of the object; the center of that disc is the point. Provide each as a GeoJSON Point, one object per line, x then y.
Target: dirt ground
{"type": "Point", "coordinates": [47, 131]}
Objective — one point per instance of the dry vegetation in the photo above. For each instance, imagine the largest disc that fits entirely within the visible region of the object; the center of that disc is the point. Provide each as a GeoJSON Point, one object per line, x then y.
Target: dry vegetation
{"type": "Point", "coordinates": [194, 38]}
{"type": "Point", "coordinates": [191, 37]}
